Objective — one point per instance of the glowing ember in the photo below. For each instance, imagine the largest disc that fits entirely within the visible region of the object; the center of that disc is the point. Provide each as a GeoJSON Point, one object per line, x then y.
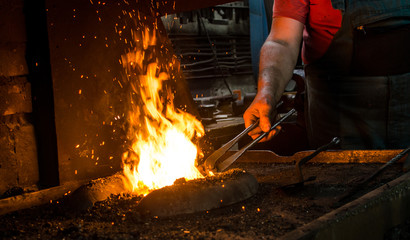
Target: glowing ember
{"type": "Point", "coordinates": [161, 135]}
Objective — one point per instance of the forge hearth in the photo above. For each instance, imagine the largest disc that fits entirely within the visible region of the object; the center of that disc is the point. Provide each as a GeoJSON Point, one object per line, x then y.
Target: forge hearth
{"type": "Point", "coordinates": [220, 190]}
{"type": "Point", "coordinates": [270, 213]}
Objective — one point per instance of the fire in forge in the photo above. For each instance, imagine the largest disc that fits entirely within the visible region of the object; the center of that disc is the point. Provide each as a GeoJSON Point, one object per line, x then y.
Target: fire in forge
{"type": "Point", "coordinates": [149, 119]}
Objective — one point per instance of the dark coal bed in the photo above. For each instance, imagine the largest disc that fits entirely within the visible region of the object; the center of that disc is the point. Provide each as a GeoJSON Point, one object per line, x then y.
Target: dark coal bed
{"type": "Point", "coordinates": [270, 213]}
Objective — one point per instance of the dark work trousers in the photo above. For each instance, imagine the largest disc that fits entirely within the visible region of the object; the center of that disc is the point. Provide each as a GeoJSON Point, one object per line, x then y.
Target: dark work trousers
{"type": "Point", "coordinates": [360, 89]}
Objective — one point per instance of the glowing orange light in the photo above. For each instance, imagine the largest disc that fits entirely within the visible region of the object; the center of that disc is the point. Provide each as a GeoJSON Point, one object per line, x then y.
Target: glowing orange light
{"type": "Point", "coordinates": [162, 150]}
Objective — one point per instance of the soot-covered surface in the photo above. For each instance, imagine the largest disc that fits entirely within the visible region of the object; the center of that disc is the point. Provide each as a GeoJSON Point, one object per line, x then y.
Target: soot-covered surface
{"type": "Point", "coordinates": [270, 213]}
{"type": "Point", "coordinates": [183, 197]}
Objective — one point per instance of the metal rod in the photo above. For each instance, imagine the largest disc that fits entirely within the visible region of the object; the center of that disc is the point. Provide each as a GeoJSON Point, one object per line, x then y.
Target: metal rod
{"type": "Point", "coordinates": [355, 189]}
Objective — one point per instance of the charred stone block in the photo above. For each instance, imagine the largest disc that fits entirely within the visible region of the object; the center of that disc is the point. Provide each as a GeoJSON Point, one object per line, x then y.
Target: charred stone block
{"type": "Point", "coordinates": [8, 163]}
{"type": "Point", "coordinates": [15, 96]}
{"type": "Point", "coordinates": [26, 155]}
{"type": "Point", "coordinates": [12, 59]}
{"type": "Point", "coordinates": [12, 39]}
{"type": "Point", "coordinates": [18, 152]}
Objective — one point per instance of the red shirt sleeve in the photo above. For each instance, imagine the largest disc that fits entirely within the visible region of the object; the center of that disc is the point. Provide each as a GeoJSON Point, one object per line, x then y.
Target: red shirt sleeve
{"type": "Point", "coordinates": [321, 22]}
{"type": "Point", "coordinates": [295, 9]}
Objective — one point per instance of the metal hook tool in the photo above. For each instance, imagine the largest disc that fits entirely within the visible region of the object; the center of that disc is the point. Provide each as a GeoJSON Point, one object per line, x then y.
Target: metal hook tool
{"type": "Point", "coordinates": [299, 163]}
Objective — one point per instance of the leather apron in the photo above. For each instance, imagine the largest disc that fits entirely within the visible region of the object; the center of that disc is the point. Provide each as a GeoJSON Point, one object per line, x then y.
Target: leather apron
{"type": "Point", "coordinates": [360, 89]}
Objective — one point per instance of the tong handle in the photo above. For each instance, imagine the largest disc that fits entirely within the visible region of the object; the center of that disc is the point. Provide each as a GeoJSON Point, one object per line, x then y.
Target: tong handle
{"type": "Point", "coordinates": [227, 162]}
{"type": "Point", "coordinates": [211, 160]}
{"type": "Point", "coordinates": [234, 140]}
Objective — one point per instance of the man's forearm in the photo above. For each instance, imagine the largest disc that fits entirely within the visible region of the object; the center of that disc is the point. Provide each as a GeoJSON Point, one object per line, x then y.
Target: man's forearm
{"type": "Point", "coordinates": [278, 57]}
{"type": "Point", "coordinates": [277, 62]}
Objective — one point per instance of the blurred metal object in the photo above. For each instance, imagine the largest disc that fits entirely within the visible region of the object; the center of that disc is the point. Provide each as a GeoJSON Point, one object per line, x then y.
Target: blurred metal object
{"type": "Point", "coordinates": [206, 110]}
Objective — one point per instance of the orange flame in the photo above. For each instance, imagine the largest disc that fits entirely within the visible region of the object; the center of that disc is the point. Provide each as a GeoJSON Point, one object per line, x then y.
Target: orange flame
{"type": "Point", "coordinates": [162, 150]}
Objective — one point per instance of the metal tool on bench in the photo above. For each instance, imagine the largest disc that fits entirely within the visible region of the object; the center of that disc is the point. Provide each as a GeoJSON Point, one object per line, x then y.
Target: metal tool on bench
{"type": "Point", "coordinates": [362, 184]}
{"type": "Point", "coordinates": [406, 164]}
{"type": "Point", "coordinates": [211, 164]}
{"type": "Point", "coordinates": [304, 160]}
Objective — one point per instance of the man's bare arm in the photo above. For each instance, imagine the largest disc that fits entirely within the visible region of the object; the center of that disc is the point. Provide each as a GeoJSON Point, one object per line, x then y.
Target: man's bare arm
{"type": "Point", "coordinates": [278, 58]}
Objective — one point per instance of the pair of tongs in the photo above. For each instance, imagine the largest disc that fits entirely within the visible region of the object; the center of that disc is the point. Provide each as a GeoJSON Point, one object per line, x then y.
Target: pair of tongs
{"type": "Point", "coordinates": [211, 164]}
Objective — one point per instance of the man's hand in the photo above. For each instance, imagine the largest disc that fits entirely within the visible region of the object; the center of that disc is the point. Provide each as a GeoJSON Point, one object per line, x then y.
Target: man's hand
{"type": "Point", "coordinates": [262, 108]}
